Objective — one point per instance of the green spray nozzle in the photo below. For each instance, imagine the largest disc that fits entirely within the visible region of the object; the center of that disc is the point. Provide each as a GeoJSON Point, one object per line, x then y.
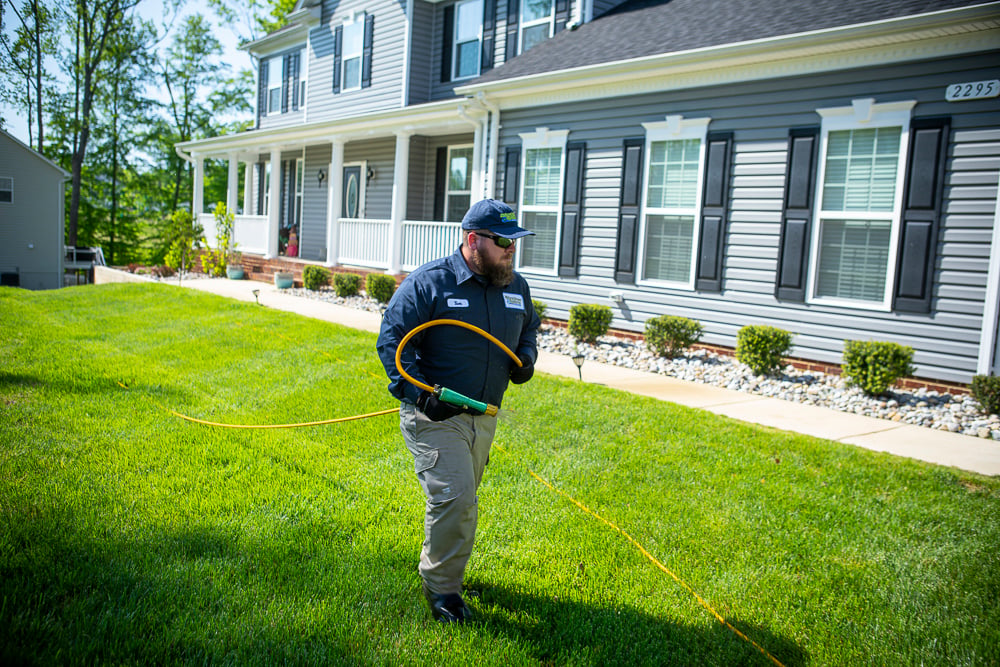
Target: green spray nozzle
{"type": "Point", "coordinates": [455, 398]}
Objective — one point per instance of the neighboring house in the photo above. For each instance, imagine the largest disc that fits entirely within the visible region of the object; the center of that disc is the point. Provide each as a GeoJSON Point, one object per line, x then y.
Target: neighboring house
{"type": "Point", "coordinates": [31, 217]}
{"type": "Point", "coordinates": [830, 168]}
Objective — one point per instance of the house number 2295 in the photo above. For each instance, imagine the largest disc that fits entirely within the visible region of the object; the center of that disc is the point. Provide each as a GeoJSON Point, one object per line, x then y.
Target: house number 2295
{"type": "Point", "coordinates": [976, 90]}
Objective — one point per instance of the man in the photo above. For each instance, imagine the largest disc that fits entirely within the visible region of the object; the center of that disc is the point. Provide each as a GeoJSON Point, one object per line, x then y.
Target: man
{"type": "Point", "coordinates": [450, 445]}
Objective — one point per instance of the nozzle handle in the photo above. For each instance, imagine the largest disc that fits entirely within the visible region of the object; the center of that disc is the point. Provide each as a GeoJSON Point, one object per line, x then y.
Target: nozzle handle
{"type": "Point", "coordinates": [455, 398]}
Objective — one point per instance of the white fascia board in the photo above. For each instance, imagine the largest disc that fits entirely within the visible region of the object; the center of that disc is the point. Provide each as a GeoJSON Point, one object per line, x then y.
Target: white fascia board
{"type": "Point", "coordinates": [295, 33]}
{"type": "Point", "coordinates": [939, 34]}
{"type": "Point", "coordinates": [438, 118]}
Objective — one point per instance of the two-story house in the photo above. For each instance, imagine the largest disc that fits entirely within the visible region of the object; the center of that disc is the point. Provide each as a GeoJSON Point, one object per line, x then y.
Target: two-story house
{"type": "Point", "coordinates": [830, 168]}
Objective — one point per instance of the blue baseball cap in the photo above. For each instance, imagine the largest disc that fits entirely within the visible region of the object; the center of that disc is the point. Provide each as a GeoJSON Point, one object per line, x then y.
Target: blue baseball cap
{"type": "Point", "coordinates": [494, 216]}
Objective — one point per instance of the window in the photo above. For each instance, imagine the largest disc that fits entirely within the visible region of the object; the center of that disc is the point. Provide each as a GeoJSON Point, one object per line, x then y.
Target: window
{"type": "Point", "coordinates": [458, 193]}
{"type": "Point", "coordinates": [6, 189]}
{"type": "Point", "coordinates": [862, 165]}
{"type": "Point", "coordinates": [541, 195]}
{"type": "Point", "coordinates": [536, 22]}
{"type": "Point", "coordinates": [675, 154]}
{"type": "Point", "coordinates": [468, 29]}
{"type": "Point", "coordinates": [274, 70]}
{"type": "Point", "coordinates": [352, 52]}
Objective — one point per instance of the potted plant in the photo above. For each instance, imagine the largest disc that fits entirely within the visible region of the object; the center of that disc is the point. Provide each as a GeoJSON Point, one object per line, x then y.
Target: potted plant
{"type": "Point", "coordinates": [284, 279]}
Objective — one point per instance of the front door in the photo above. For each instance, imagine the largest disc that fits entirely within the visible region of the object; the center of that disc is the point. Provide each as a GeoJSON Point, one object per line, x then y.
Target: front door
{"type": "Point", "coordinates": [352, 192]}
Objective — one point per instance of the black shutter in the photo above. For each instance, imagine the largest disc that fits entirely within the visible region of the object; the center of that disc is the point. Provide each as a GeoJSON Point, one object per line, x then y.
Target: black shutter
{"type": "Point", "coordinates": [489, 35]}
{"type": "Point", "coordinates": [511, 174]}
{"type": "Point", "coordinates": [262, 90]}
{"type": "Point", "coordinates": [338, 43]}
{"type": "Point", "coordinates": [510, 50]}
{"type": "Point", "coordinates": [714, 210]}
{"type": "Point", "coordinates": [922, 197]}
{"type": "Point", "coordinates": [294, 76]}
{"type": "Point", "coordinates": [440, 181]}
{"type": "Point", "coordinates": [628, 210]}
{"type": "Point", "coordinates": [796, 218]}
{"type": "Point", "coordinates": [447, 41]}
{"type": "Point", "coordinates": [260, 188]}
{"type": "Point", "coordinates": [572, 208]}
{"type": "Point", "coordinates": [562, 15]}
{"type": "Point", "coordinates": [367, 50]}
{"type": "Point", "coordinates": [285, 67]}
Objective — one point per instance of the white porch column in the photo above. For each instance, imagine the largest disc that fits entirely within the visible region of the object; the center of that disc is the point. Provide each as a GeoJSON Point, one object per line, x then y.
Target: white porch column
{"type": "Point", "coordinates": [233, 183]}
{"type": "Point", "coordinates": [247, 189]}
{"type": "Point", "coordinates": [274, 204]}
{"type": "Point", "coordinates": [334, 201]}
{"type": "Point", "coordinates": [198, 200]}
{"type": "Point", "coordinates": [400, 182]}
{"type": "Point", "coordinates": [477, 164]}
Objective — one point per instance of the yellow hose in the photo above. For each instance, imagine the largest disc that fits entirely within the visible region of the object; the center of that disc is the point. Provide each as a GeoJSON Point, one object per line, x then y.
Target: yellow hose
{"type": "Point", "coordinates": [458, 323]}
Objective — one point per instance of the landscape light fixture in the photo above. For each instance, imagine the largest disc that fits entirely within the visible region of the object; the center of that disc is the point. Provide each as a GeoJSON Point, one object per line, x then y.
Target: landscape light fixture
{"type": "Point", "coordinates": [256, 292]}
{"type": "Point", "coordinates": [578, 360]}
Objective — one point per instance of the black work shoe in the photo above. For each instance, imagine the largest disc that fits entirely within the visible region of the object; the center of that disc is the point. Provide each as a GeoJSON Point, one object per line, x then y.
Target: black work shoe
{"type": "Point", "coordinates": [448, 608]}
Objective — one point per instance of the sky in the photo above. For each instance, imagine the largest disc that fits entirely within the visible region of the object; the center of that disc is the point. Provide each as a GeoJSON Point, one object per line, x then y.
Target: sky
{"type": "Point", "coordinates": [17, 124]}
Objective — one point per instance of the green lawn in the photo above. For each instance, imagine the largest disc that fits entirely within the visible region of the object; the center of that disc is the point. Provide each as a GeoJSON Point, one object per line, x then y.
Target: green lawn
{"type": "Point", "coordinates": [130, 536]}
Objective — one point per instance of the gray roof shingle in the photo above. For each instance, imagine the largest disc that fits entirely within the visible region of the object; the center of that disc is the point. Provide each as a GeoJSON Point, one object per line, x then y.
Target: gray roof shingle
{"type": "Point", "coordinates": [638, 28]}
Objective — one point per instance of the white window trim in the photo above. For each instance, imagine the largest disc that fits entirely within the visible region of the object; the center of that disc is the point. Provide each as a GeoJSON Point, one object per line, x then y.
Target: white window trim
{"type": "Point", "coordinates": [447, 185]}
{"type": "Point", "coordinates": [863, 113]}
{"type": "Point", "coordinates": [673, 128]}
{"type": "Point", "coordinates": [543, 137]}
{"type": "Point", "coordinates": [303, 80]}
{"type": "Point", "coordinates": [455, 43]}
{"type": "Point", "coordinates": [300, 180]}
{"type": "Point", "coordinates": [275, 72]}
{"type": "Point", "coordinates": [362, 185]}
{"type": "Point", "coordinates": [358, 18]}
{"type": "Point", "coordinates": [523, 25]}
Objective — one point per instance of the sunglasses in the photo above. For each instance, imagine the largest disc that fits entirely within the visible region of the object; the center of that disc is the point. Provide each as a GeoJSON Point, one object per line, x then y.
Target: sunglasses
{"type": "Point", "coordinates": [499, 240]}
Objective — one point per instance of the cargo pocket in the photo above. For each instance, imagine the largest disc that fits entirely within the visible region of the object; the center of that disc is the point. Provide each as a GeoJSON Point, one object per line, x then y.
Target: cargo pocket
{"type": "Point", "coordinates": [425, 461]}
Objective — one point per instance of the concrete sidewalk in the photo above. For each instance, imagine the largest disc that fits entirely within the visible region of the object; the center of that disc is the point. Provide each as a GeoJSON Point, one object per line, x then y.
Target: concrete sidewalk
{"type": "Point", "coordinates": [941, 447]}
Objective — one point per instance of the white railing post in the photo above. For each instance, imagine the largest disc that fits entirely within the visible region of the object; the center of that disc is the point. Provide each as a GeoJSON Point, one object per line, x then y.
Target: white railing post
{"type": "Point", "coordinates": [232, 183]}
{"type": "Point", "coordinates": [247, 189]}
{"type": "Point", "coordinates": [334, 203]}
{"type": "Point", "coordinates": [198, 202]}
{"type": "Point", "coordinates": [400, 183]}
{"type": "Point", "coordinates": [274, 208]}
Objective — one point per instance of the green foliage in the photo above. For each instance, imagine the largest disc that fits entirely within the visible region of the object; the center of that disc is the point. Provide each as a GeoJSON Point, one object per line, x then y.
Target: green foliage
{"type": "Point", "coordinates": [986, 390]}
{"type": "Point", "coordinates": [315, 277]}
{"type": "Point", "coordinates": [380, 286]}
{"type": "Point", "coordinates": [876, 365]}
{"type": "Point", "coordinates": [183, 239]}
{"type": "Point", "coordinates": [668, 335]}
{"type": "Point", "coordinates": [589, 321]}
{"type": "Point", "coordinates": [762, 347]}
{"type": "Point", "coordinates": [346, 284]}
{"type": "Point", "coordinates": [214, 260]}
{"type": "Point", "coordinates": [540, 308]}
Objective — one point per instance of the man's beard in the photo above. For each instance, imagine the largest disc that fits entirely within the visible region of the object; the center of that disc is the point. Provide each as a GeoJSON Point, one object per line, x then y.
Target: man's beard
{"type": "Point", "coordinates": [499, 273]}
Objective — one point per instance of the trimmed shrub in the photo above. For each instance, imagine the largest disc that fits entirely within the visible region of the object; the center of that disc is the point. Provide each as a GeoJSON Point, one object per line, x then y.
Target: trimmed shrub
{"type": "Point", "coordinates": [876, 365]}
{"type": "Point", "coordinates": [380, 286]}
{"type": "Point", "coordinates": [589, 321]}
{"type": "Point", "coordinates": [346, 284]}
{"type": "Point", "coordinates": [540, 308]}
{"type": "Point", "coordinates": [314, 277]}
{"type": "Point", "coordinates": [986, 390]}
{"type": "Point", "coordinates": [762, 347]}
{"type": "Point", "coordinates": [668, 335]}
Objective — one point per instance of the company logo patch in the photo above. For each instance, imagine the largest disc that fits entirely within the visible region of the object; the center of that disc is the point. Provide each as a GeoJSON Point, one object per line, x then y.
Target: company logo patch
{"type": "Point", "coordinates": [458, 303]}
{"type": "Point", "coordinates": [508, 216]}
{"type": "Point", "coordinates": [513, 300]}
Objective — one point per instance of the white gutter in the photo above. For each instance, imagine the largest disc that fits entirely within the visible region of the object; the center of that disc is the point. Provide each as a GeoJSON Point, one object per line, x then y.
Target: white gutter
{"type": "Point", "coordinates": [991, 309]}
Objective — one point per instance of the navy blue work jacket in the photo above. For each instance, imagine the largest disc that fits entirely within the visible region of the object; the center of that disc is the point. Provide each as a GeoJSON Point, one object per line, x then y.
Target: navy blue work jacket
{"type": "Point", "coordinates": [449, 355]}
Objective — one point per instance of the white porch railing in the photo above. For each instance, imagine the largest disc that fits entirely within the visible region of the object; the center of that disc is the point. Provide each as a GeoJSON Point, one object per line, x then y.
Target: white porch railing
{"type": "Point", "coordinates": [365, 242]}
{"type": "Point", "coordinates": [424, 241]}
{"type": "Point", "coordinates": [249, 232]}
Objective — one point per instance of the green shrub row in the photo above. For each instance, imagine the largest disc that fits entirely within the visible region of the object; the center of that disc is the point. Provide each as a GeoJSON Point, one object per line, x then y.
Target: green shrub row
{"type": "Point", "coordinates": [762, 347]}
{"type": "Point", "coordinates": [315, 277]}
{"type": "Point", "coordinates": [986, 390]}
{"type": "Point", "coordinates": [346, 284]}
{"type": "Point", "coordinates": [380, 286]}
{"type": "Point", "coordinates": [589, 321]}
{"type": "Point", "coordinates": [876, 365]}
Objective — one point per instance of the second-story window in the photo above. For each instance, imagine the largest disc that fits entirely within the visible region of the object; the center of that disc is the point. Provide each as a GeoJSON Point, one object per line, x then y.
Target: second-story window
{"type": "Point", "coordinates": [536, 22]}
{"type": "Point", "coordinates": [274, 71]}
{"type": "Point", "coordinates": [354, 36]}
{"type": "Point", "coordinates": [468, 29]}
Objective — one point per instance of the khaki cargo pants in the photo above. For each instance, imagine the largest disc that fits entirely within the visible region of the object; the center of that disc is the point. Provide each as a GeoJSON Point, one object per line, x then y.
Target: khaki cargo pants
{"type": "Point", "coordinates": [449, 459]}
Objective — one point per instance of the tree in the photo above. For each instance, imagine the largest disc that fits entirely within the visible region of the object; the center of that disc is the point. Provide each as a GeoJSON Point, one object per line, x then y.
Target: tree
{"type": "Point", "coordinates": [23, 59]}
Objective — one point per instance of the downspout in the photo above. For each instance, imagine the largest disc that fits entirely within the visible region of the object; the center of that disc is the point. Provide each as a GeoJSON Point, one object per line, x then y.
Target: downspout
{"type": "Point", "coordinates": [991, 309]}
{"type": "Point", "coordinates": [490, 160]}
{"type": "Point", "coordinates": [477, 148]}
{"type": "Point", "coordinates": [407, 39]}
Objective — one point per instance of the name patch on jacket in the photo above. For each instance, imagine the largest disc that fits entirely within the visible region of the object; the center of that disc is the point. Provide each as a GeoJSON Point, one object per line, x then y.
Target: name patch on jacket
{"type": "Point", "coordinates": [458, 303]}
{"type": "Point", "coordinates": [513, 300]}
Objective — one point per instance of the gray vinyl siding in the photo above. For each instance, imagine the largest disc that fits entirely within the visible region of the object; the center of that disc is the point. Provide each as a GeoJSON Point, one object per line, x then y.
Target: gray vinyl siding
{"type": "Point", "coordinates": [312, 236]}
{"type": "Point", "coordinates": [388, 59]}
{"type": "Point", "coordinates": [380, 154]}
{"type": "Point", "coordinates": [760, 114]}
{"type": "Point", "coordinates": [422, 59]}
